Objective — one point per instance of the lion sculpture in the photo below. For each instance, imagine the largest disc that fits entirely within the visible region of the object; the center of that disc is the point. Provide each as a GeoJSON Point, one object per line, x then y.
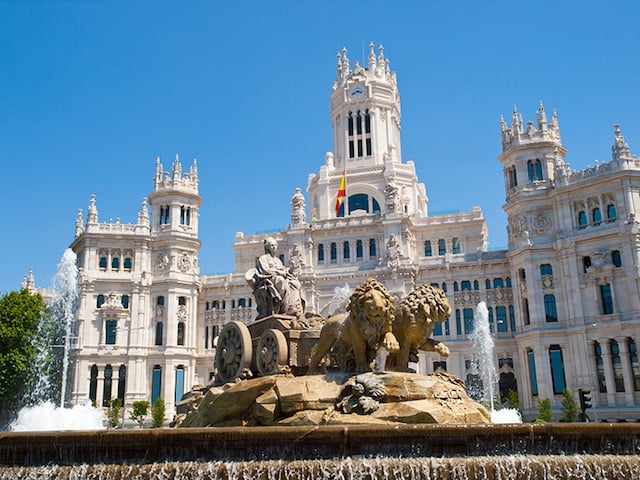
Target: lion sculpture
{"type": "Point", "coordinates": [353, 338]}
{"type": "Point", "coordinates": [415, 319]}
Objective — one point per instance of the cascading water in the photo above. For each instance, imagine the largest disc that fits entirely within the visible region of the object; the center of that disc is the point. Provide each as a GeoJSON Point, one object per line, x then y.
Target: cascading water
{"type": "Point", "coordinates": [483, 351]}
{"type": "Point", "coordinates": [51, 369]}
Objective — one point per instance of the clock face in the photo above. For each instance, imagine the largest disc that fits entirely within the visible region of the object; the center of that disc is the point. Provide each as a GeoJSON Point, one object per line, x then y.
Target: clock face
{"type": "Point", "coordinates": [357, 92]}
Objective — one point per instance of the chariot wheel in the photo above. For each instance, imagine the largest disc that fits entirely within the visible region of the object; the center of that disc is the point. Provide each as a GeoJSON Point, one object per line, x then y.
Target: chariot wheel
{"type": "Point", "coordinates": [272, 352]}
{"type": "Point", "coordinates": [233, 351]}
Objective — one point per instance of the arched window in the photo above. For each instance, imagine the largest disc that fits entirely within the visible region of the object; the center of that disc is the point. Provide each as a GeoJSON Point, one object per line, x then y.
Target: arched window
{"type": "Point", "coordinates": [125, 301]}
{"type": "Point", "coordinates": [182, 300]}
{"type": "Point", "coordinates": [501, 319]}
{"type": "Point", "coordinates": [122, 380]}
{"type": "Point", "coordinates": [602, 383]}
{"type": "Point", "coordinates": [358, 123]}
{"type": "Point", "coordinates": [476, 285]}
{"type": "Point", "coordinates": [180, 333]}
{"type": "Point", "coordinates": [346, 252]}
{"type": "Point", "coordinates": [458, 323]}
{"type": "Point", "coordinates": [546, 269]}
{"type": "Point", "coordinates": [99, 301]}
{"type": "Point", "coordinates": [596, 216]}
{"type": "Point", "coordinates": [367, 122]}
{"type": "Point", "coordinates": [320, 253]}
{"type": "Point", "coordinates": [442, 247]}
{"type": "Point", "coordinates": [115, 263]}
{"type": "Point", "coordinates": [372, 248]}
{"type": "Point", "coordinates": [455, 245]}
{"type": "Point", "coordinates": [127, 264]}
{"type": "Point", "coordinates": [444, 287]}
{"type": "Point", "coordinates": [531, 171]}
{"type": "Point", "coordinates": [498, 283]}
{"type": "Point", "coordinates": [93, 384]}
{"type": "Point", "coordinates": [242, 303]}
{"type": "Point", "coordinates": [550, 311]}
{"type": "Point", "coordinates": [611, 212]}
{"type": "Point", "coordinates": [635, 365]}
{"type": "Point", "coordinates": [185, 215]}
{"type": "Point", "coordinates": [159, 333]}
{"type": "Point", "coordinates": [538, 168]}
{"type": "Point", "coordinates": [160, 301]}
{"type": "Point", "coordinates": [179, 383]}
{"type": "Point", "coordinates": [359, 201]}
{"type": "Point", "coordinates": [156, 383]}
{"type": "Point", "coordinates": [616, 258]}
{"type": "Point", "coordinates": [455, 286]}
{"type": "Point", "coordinates": [487, 284]}
{"type": "Point", "coordinates": [616, 362]}
{"type": "Point", "coordinates": [102, 263]}
{"type": "Point", "coordinates": [359, 249]}
{"type": "Point", "coordinates": [465, 285]}
{"type": "Point", "coordinates": [334, 251]}
{"type": "Point", "coordinates": [586, 263]}
{"type": "Point", "coordinates": [582, 219]}
{"type": "Point", "coordinates": [427, 248]}
{"type": "Point", "coordinates": [106, 392]}
{"type": "Point", "coordinates": [508, 282]}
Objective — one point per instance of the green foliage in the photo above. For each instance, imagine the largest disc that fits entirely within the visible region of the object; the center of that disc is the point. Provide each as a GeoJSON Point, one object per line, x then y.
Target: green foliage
{"type": "Point", "coordinates": [570, 409]}
{"type": "Point", "coordinates": [20, 314]}
{"type": "Point", "coordinates": [113, 415]}
{"type": "Point", "coordinates": [545, 411]}
{"type": "Point", "coordinates": [157, 413]}
{"type": "Point", "coordinates": [139, 412]}
{"type": "Point", "coordinates": [513, 401]}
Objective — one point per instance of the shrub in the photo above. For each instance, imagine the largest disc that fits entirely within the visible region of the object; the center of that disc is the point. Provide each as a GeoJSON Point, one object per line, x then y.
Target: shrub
{"type": "Point", "coordinates": [157, 413]}
{"type": "Point", "coordinates": [545, 411]}
{"type": "Point", "coordinates": [139, 412]}
{"type": "Point", "coordinates": [113, 415]}
{"type": "Point", "coordinates": [570, 410]}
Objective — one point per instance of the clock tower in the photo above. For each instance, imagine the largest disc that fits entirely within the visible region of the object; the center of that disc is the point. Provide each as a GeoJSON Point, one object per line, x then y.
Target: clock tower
{"type": "Point", "coordinates": [365, 110]}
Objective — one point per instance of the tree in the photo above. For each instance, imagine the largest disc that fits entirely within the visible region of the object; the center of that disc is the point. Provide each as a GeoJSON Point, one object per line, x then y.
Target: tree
{"type": "Point", "coordinates": [513, 401]}
{"type": "Point", "coordinates": [545, 411]}
{"type": "Point", "coordinates": [157, 413]}
{"type": "Point", "coordinates": [113, 414]}
{"type": "Point", "coordinates": [139, 412]}
{"type": "Point", "coordinates": [20, 314]}
{"type": "Point", "coordinates": [570, 410]}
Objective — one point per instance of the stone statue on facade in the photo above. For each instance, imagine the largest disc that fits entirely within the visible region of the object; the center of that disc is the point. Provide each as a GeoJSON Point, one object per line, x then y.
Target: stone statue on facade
{"type": "Point", "coordinates": [276, 289]}
{"type": "Point", "coordinates": [298, 215]}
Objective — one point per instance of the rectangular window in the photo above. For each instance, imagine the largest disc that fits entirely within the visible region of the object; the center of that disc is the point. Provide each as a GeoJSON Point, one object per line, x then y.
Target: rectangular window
{"type": "Point", "coordinates": [427, 248]}
{"type": "Point", "coordinates": [512, 318]}
{"type": "Point", "coordinates": [360, 148]}
{"type": "Point", "coordinates": [602, 383]}
{"type": "Point", "coordinates": [458, 323]}
{"type": "Point", "coordinates": [550, 311]}
{"type": "Point", "coordinates": [606, 299]}
{"type": "Point", "coordinates": [455, 245]}
{"type": "Point", "coordinates": [442, 247]}
{"type": "Point", "coordinates": [156, 383]}
{"type": "Point", "coordinates": [110, 332]}
{"type": "Point", "coordinates": [501, 318]}
{"type": "Point", "coordinates": [179, 384]}
{"type": "Point", "coordinates": [368, 146]}
{"type": "Point", "coordinates": [446, 327]}
{"type": "Point", "coordinates": [557, 369]}
{"type": "Point", "coordinates": [533, 379]}
{"type": "Point", "coordinates": [351, 149]}
{"type": "Point", "coordinates": [467, 315]}
{"type": "Point", "coordinates": [437, 330]}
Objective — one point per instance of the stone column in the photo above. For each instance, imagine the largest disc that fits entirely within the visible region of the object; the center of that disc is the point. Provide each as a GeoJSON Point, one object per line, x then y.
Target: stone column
{"type": "Point", "coordinates": [608, 371]}
{"type": "Point", "coordinates": [627, 374]}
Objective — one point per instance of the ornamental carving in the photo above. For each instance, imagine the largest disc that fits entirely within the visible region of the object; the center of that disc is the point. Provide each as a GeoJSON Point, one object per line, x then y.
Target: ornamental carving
{"type": "Point", "coordinates": [466, 298]}
{"type": "Point", "coordinates": [182, 312]}
{"type": "Point", "coordinates": [547, 282]}
{"type": "Point", "coordinates": [541, 223]}
{"type": "Point", "coordinates": [184, 262]}
{"type": "Point", "coordinates": [500, 296]}
{"type": "Point", "coordinates": [162, 262]}
{"type": "Point", "coordinates": [159, 311]}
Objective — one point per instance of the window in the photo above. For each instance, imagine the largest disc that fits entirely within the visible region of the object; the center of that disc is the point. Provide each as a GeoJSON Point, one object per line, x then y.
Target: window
{"type": "Point", "coordinates": [557, 369]}
{"type": "Point", "coordinates": [606, 299]}
{"type": "Point", "coordinates": [508, 282]}
{"type": "Point", "coordinates": [602, 382]}
{"type": "Point", "coordinates": [159, 328]}
{"type": "Point", "coordinates": [156, 383]}
{"type": "Point", "coordinates": [320, 253]}
{"type": "Point", "coordinates": [467, 314]}
{"type": "Point", "coordinates": [181, 333]}
{"type": "Point", "coordinates": [455, 286]}
{"type": "Point", "coordinates": [99, 301]}
{"type": "Point", "coordinates": [427, 248]}
{"type": "Point", "coordinates": [359, 201]}
{"type": "Point", "coordinates": [93, 383]}
{"type": "Point", "coordinates": [442, 247]}
{"type": "Point", "coordinates": [346, 252]}
{"type": "Point", "coordinates": [437, 330]}
{"type": "Point", "coordinates": [458, 323]}
{"type": "Point", "coordinates": [455, 245]}
{"type": "Point", "coordinates": [106, 393]}
{"type": "Point", "coordinates": [122, 380]}
{"type": "Point", "coordinates": [611, 212]}
{"type": "Point", "coordinates": [513, 177]}
{"type": "Point", "coordinates": [545, 269]}
{"type": "Point", "coordinates": [465, 285]}
{"type": "Point", "coordinates": [359, 249]}
{"type": "Point", "coordinates": [582, 219]}
{"type": "Point", "coordinates": [444, 287]}
{"type": "Point", "coordinates": [185, 215]}
{"type": "Point", "coordinates": [490, 314]}
{"type": "Point", "coordinates": [498, 283]}
{"type": "Point", "coordinates": [616, 258]}
{"type": "Point", "coordinates": [165, 214]}
{"type": "Point", "coordinates": [372, 248]}
{"type": "Point", "coordinates": [102, 263]}
{"type": "Point", "coordinates": [501, 319]}
{"type": "Point", "coordinates": [487, 284]}
{"type": "Point", "coordinates": [476, 285]}
{"type": "Point", "coordinates": [115, 263]}
{"type": "Point", "coordinates": [334, 251]}
{"type": "Point", "coordinates": [110, 332]}
{"type": "Point", "coordinates": [616, 363]}
{"type": "Point", "coordinates": [550, 311]}
{"type": "Point", "coordinates": [512, 318]}
{"type": "Point", "coordinates": [127, 264]}
{"type": "Point", "coordinates": [182, 300]}
{"type": "Point", "coordinates": [533, 379]}
{"type": "Point", "coordinates": [635, 365]}
{"type": "Point", "coordinates": [160, 301]}
{"type": "Point", "coordinates": [206, 337]}
{"type": "Point", "coordinates": [446, 327]}
{"type": "Point", "coordinates": [534, 169]}
{"type": "Point", "coordinates": [124, 300]}
{"type": "Point", "coordinates": [525, 311]}
{"type": "Point", "coordinates": [242, 303]}
{"type": "Point", "coordinates": [586, 263]}
{"type": "Point", "coordinates": [440, 366]}
{"type": "Point", "coordinates": [596, 216]}
{"type": "Point", "coordinates": [179, 383]}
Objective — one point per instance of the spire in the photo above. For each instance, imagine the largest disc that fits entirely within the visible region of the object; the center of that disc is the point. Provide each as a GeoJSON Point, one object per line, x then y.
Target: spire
{"type": "Point", "coordinates": [143, 214]}
{"type": "Point", "coordinates": [372, 57]}
{"type": "Point", "coordinates": [541, 116]}
{"type": "Point", "coordinates": [345, 62]}
{"type": "Point", "coordinates": [79, 223]}
{"type": "Point", "coordinates": [176, 170]}
{"type": "Point", "coordinates": [24, 282]}
{"type": "Point", "coordinates": [380, 54]}
{"type": "Point", "coordinates": [92, 212]}
{"type": "Point", "coordinates": [194, 171]}
{"type": "Point", "coordinates": [31, 282]}
{"type": "Point", "coordinates": [516, 121]}
{"type": "Point", "coordinates": [158, 178]}
{"type": "Point", "coordinates": [503, 125]}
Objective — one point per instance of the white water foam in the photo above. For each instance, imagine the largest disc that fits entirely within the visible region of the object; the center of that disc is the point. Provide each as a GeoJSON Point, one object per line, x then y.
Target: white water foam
{"type": "Point", "coordinates": [46, 417]}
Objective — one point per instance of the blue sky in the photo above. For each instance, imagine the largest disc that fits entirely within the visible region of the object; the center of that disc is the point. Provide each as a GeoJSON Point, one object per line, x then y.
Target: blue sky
{"type": "Point", "coordinates": [93, 92]}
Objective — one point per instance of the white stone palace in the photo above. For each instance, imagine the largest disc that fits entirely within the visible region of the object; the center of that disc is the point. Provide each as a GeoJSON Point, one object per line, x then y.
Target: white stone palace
{"type": "Point", "coordinates": [563, 299]}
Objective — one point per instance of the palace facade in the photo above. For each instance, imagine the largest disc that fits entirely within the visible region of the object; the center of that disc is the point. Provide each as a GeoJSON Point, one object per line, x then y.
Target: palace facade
{"type": "Point", "coordinates": [563, 299]}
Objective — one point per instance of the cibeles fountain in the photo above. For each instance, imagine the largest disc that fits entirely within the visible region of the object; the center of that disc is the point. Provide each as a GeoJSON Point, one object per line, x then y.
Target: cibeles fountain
{"type": "Point", "coordinates": [298, 396]}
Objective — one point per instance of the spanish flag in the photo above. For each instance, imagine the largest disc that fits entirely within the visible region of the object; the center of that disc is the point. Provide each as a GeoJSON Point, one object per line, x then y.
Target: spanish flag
{"type": "Point", "coordinates": [341, 193]}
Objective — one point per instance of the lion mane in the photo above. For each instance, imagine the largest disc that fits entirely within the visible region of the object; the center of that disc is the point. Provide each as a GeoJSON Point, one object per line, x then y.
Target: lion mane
{"type": "Point", "coordinates": [355, 336]}
{"type": "Point", "coordinates": [416, 317]}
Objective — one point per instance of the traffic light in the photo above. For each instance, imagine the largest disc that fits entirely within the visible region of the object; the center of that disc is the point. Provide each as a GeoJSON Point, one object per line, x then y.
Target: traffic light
{"type": "Point", "coordinates": [585, 402]}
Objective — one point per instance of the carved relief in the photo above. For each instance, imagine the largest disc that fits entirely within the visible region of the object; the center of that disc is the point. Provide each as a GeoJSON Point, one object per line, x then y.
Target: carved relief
{"type": "Point", "coordinates": [184, 262]}
{"type": "Point", "coordinates": [182, 312]}
{"type": "Point", "coordinates": [541, 223]}
{"type": "Point", "coordinates": [500, 296]}
{"type": "Point", "coordinates": [162, 262]}
{"type": "Point", "coordinates": [466, 298]}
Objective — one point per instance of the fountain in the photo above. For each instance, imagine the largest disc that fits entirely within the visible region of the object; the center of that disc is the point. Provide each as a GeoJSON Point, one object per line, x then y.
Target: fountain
{"type": "Point", "coordinates": [45, 408]}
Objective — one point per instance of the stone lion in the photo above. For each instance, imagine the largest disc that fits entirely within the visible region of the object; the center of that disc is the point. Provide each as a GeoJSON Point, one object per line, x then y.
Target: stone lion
{"type": "Point", "coordinates": [355, 337]}
{"type": "Point", "coordinates": [416, 317]}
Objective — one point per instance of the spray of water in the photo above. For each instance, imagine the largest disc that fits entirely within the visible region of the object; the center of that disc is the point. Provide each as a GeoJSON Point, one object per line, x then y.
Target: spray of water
{"type": "Point", "coordinates": [338, 302]}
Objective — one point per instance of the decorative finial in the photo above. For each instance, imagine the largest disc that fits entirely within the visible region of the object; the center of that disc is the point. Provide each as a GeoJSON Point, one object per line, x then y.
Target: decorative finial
{"type": "Point", "coordinates": [620, 149]}
{"type": "Point", "coordinates": [143, 214]}
{"type": "Point", "coordinates": [79, 222]}
{"type": "Point", "coordinates": [92, 212]}
{"type": "Point", "coordinates": [372, 56]}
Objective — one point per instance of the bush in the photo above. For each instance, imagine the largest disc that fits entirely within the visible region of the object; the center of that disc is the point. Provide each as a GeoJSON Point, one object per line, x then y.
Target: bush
{"type": "Point", "coordinates": [157, 413]}
{"type": "Point", "coordinates": [113, 415]}
{"type": "Point", "coordinates": [545, 411]}
{"type": "Point", "coordinates": [513, 401]}
{"type": "Point", "coordinates": [139, 412]}
{"type": "Point", "coordinates": [570, 410]}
